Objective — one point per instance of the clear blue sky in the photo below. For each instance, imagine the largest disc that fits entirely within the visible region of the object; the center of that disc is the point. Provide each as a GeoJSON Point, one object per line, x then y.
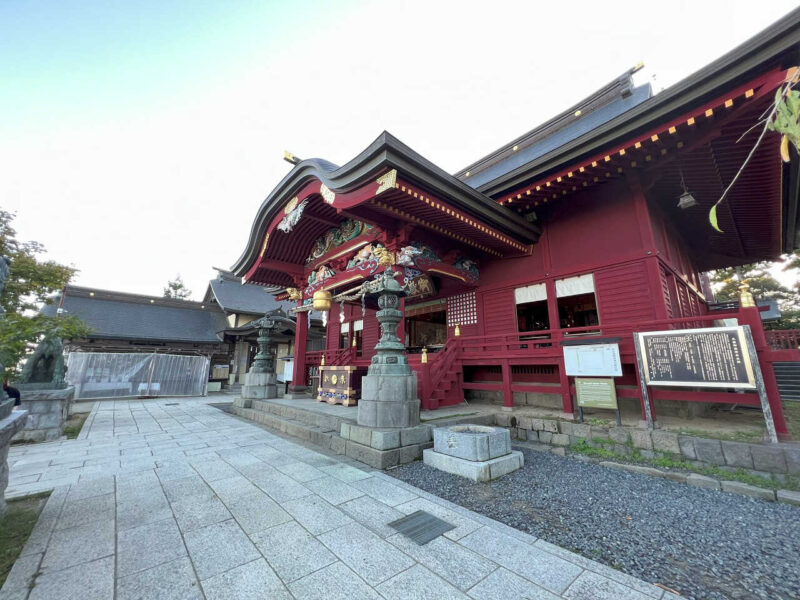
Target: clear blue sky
{"type": "Point", "coordinates": [138, 138]}
{"type": "Point", "coordinates": [99, 59]}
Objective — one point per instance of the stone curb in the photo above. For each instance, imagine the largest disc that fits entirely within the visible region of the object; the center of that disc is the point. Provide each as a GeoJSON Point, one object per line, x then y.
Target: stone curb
{"type": "Point", "coordinates": [703, 481]}
{"type": "Point", "coordinates": [769, 459]}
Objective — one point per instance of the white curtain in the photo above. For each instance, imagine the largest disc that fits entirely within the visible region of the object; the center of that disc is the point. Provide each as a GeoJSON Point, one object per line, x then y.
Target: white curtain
{"type": "Point", "coordinates": [344, 328]}
{"type": "Point", "coordinates": [572, 286]}
{"type": "Point", "coordinates": [358, 325]}
{"type": "Point", "coordinates": [530, 293]}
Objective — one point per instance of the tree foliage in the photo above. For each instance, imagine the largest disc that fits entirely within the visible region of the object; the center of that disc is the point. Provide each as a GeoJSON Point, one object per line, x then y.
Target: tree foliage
{"type": "Point", "coordinates": [31, 281]}
{"type": "Point", "coordinates": [177, 289]}
{"type": "Point", "coordinates": [763, 286]}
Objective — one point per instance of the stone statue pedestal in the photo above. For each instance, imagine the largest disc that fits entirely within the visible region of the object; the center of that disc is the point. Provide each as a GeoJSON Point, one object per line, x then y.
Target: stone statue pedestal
{"type": "Point", "coordinates": [48, 411]}
{"type": "Point", "coordinates": [11, 421]}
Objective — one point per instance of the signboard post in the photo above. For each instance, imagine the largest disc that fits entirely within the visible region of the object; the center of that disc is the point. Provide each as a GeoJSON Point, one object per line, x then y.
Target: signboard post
{"type": "Point", "coordinates": [715, 357]}
{"type": "Point", "coordinates": [596, 392]}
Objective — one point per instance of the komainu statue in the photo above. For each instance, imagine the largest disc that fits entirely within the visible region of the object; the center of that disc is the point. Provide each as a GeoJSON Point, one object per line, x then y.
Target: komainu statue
{"type": "Point", "coordinates": [46, 365]}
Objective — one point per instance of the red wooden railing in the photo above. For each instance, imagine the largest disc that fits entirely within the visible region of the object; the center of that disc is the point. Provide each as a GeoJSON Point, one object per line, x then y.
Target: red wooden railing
{"type": "Point", "coordinates": [547, 342]}
{"type": "Point", "coordinates": [333, 358]}
{"type": "Point", "coordinates": [783, 339]}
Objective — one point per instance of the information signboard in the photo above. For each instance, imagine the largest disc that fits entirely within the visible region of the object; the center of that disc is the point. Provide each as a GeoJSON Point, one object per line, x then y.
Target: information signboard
{"type": "Point", "coordinates": [596, 392]}
{"type": "Point", "coordinates": [715, 357]}
{"type": "Point", "coordinates": [593, 360]}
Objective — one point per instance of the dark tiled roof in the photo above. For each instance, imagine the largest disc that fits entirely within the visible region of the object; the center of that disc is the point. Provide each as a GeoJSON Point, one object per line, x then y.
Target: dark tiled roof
{"type": "Point", "coordinates": [114, 315]}
{"type": "Point", "coordinates": [614, 99]}
{"type": "Point", "coordinates": [249, 298]}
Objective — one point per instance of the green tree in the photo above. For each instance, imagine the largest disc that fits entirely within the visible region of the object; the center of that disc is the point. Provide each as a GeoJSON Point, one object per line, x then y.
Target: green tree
{"type": "Point", "coordinates": [762, 283]}
{"type": "Point", "coordinates": [177, 289]}
{"type": "Point", "coordinates": [763, 286]}
{"type": "Point", "coordinates": [31, 282]}
{"type": "Point", "coordinates": [793, 264]}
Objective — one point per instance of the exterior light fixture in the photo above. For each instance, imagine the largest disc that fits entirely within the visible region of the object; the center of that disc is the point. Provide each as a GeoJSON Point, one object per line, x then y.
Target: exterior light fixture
{"type": "Point", "coordinates": [686, 200]}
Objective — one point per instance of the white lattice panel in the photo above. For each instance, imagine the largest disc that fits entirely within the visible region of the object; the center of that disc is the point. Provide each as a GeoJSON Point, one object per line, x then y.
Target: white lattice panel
{"type": "Point", "coordinates": [462, 310]}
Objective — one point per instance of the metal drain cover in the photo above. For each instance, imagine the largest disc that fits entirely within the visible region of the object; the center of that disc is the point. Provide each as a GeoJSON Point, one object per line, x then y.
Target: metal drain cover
{"type": "Point", "coordinates": [422, 527]}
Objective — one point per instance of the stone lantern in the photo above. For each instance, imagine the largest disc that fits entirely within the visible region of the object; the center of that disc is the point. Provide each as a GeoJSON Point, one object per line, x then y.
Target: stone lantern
{"type": "Point", "coordinates": [389, 390]}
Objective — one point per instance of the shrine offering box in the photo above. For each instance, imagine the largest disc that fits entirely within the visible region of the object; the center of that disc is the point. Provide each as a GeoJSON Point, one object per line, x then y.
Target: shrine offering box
{"type": "Point", "coordinates": [340, 384]}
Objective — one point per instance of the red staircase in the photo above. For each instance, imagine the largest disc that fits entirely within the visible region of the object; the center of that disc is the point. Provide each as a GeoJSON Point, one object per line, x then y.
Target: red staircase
{"type": "Point", "coordinates": [443, 377]}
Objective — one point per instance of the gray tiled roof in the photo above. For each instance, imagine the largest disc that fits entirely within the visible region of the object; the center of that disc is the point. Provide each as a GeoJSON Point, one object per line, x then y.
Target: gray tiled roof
{"type": "Point", "coordinates": [135, 318]}
{"type": "Point", "coordinates": [249, 298]}
{"type": "Point", "coordinates": [560, 137]}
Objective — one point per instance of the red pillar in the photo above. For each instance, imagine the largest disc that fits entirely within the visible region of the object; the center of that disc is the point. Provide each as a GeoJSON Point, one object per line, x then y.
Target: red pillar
{"type": "Point", "coordinates": [752, 316]}
{"type": "Point", "coordinates": [508, 395]}
{"type": "Point", "coordinates": [299, 373]}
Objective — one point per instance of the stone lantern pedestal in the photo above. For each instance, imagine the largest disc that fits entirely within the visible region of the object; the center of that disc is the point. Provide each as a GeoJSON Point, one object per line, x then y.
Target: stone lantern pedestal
{"type": "Point", "coordinates": [261, 381]}
{"type": "Point", "coordinates": [388, 432]}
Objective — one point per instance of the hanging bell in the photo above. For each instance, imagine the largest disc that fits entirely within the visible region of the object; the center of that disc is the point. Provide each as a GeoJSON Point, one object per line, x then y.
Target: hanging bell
{"type": "Point", "coordinates": [322, 301]}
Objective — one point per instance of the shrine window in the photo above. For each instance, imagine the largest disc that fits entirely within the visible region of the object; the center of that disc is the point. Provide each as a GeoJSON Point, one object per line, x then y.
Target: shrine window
{"type": "Point", "coordinates": [577, 302]}
{"type": "Point", "coordinates": [531, 302]}
{"type": "Point", "coordinates": [344, 335]}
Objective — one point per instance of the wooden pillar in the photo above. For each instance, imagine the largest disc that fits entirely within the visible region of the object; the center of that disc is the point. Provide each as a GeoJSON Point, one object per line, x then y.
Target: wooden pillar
{"type": "Point", "coordinates": [299, 372]}
{"type": "Point", "coordinates": [508, 395]}
{"type": "Point", "coordinates": [555, 324]}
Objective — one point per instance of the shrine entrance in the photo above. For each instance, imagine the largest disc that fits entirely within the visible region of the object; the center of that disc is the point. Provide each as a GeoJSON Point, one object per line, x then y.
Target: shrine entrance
{"type": "Point", "coordinates": [426, 326]}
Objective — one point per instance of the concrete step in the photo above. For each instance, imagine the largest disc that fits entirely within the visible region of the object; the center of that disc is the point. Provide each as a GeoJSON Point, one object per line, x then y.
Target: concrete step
{"type": "Point", "coordinates": [308, 417]}
{"type": "Point", "coordinates": [477, 419]}
{"type": "Point", "coordinates": [321, 436]}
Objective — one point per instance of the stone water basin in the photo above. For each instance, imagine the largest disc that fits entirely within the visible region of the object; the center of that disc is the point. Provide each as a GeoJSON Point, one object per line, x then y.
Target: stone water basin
{"type": "Point", "coordinates": [472, 442]}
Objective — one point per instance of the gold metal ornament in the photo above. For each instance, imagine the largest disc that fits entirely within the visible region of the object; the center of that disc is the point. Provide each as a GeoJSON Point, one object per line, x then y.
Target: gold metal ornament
{"type": "Point", "coordinates": [327, 194]}
{"type": "Point", "coordinates": [424, 358]}
{"type": "Point", "coordinates": [322, 301]}
{"type": "Point", "coordinates": [385, 257]}
{"type": "Point", "coordinates": [334, 379]}
{"type": "Point", "coordinates": [746, 299]}
{"type": "Point", "coordinates": [386, 181]}
{"type": "Point", "coordinates": [294, 293]}
{"type": "Point", "coordinates": [457, 331]}
{"type": "Point", "coordinates": [291, 205]}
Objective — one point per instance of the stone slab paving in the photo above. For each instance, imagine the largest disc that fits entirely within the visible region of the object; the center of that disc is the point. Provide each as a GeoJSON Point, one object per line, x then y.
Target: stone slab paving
{"type": "Point", "coordinates": [175, 499]}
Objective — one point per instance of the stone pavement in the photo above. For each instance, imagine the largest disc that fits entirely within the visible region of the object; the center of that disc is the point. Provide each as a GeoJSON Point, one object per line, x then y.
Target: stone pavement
{"type": "Point", "coordinates": [175, 499]}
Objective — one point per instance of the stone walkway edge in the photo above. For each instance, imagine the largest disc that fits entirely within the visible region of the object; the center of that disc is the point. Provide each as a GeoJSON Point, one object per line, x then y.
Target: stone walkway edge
{"type": "Point", "coordinates": [228, 509]}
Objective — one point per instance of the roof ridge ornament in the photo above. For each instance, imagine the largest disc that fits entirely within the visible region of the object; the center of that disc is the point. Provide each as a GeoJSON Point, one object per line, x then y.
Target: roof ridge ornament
{"type": "Point", "coordinates": [386, 181]}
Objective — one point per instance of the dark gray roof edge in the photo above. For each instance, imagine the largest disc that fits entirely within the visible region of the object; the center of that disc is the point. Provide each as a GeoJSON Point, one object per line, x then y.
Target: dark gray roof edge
{"type": "Point", "coordinates": [386, 152]}
{"type": "Point", "coordinates": [110, 295]}
{"type": "Point", "coordinates": [781, 40]}
{"type": "Point", "coordinates": [111, 336]}
{"type": "Point", "coordinates": [555, 123]}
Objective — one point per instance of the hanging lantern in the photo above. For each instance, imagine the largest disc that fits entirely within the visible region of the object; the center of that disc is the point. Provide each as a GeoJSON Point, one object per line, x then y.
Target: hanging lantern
{"type": "Point", "coordinates": [457, 331]}
{"type": "Point", "coordinates": [322, 301]}
{"type": "Point", "coordinates": [424, 358]}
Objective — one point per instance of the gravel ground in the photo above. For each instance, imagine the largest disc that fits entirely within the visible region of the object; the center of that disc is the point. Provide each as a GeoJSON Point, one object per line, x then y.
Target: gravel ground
{"type": "Point", "coordinates": [707, 545]}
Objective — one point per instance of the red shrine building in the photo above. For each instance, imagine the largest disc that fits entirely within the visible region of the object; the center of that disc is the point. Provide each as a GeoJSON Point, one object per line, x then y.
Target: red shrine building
{"type": "Point", "coordinates": [592, 226]}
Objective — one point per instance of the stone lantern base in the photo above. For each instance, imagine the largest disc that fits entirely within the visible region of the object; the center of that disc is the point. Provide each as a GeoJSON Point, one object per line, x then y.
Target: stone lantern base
{"type": "Point", "coordinates": [260, 386]}
{"type": "Point", "coordinates": [389, 401]}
